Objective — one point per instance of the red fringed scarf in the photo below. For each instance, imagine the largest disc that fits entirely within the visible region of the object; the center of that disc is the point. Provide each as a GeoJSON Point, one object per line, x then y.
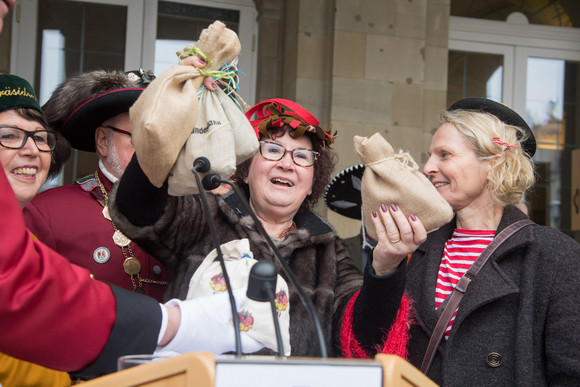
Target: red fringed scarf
{"type": "Point", "coordinates": [395, 342]}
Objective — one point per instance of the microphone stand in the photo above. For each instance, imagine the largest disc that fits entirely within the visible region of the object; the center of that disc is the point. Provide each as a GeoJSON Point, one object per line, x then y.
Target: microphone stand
{"type": "Point", "coordinates": [211, 180]}
{"type": "Point", "coordinates": [202, 165]}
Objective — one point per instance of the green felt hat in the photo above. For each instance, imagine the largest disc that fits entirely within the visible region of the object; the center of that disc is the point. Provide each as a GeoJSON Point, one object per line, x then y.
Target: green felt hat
{"type": "Point", "coordinates": [16, 92]}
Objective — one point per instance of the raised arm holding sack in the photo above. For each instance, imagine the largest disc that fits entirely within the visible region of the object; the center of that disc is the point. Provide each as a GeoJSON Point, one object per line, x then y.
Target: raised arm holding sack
{"type": "Point", "coordinates": [173, 124]}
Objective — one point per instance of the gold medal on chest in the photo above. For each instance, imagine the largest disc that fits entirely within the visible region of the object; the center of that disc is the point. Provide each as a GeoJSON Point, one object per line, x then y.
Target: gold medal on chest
{"type": "Point", "coordinates": [132, 266]}
{"type": "Point", "coordinates": [120, 239]}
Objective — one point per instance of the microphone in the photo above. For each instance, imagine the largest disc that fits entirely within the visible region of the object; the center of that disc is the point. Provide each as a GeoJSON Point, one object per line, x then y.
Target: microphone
{"type": "Point", "coordinates": [262, 287]}
{"type": "Point", "coordinates": [203, 163]}
{"type": "Point", "coordinates": [211, 181]}
{"type": "Point", "coordinates": [289, 273]}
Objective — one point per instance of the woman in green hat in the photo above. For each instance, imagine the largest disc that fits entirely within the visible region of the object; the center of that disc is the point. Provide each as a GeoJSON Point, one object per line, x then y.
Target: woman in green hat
{"type": "Point", "coordinates": [27, 164]}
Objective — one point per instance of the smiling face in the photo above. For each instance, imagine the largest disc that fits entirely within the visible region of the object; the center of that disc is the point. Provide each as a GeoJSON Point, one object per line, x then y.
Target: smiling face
{"type": "Point", "coordinates": [278, 188]}
{"type": "Point", "coordinates": [455, 170]}
{"type": "Point", "coordinates": [26, 168]}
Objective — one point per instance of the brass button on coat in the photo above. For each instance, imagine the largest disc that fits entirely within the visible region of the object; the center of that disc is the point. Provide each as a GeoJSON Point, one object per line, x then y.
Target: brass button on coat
{"type": "Point", "coordinates": [493, 359]}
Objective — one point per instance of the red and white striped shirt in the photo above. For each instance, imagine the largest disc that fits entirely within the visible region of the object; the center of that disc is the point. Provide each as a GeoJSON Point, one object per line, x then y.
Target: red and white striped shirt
{"type": "Point", "coordinates": [461, 250]}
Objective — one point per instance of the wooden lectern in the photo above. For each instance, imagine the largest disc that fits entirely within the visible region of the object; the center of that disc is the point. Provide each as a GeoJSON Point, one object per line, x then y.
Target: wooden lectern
{"type": "Point", "coordinates": [200, 369]}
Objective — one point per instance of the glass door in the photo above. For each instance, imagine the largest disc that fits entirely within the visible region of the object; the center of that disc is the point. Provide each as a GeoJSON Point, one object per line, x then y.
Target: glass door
{"type": "Point", "coordinates": [538, 71]}
{"type": "Point", "coordinates": [179, 22]}
{"type": "Point", "coordinates": [53, 39]}
{"type": "Point", "coordinates": [59, 38]}
{"type": "Point", "coordinates": [552, 109]}
{"type": "Point", "coordinates": [475, 74]}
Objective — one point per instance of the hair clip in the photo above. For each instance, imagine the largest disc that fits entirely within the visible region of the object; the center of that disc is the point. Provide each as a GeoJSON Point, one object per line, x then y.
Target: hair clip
{"type": "Point", "coordinates": [499, 142]}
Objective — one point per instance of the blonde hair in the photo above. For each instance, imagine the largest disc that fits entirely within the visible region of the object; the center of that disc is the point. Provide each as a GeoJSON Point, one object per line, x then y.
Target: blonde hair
{"type": "Point", "coordinates": [512, 173]}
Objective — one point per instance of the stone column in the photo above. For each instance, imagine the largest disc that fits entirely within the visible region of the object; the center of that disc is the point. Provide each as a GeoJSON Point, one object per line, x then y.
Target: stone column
{"type": "Point", "coordinates": [271, 22]}
{"type": "Point", "coordinates": [367, 66]}
{"type": "Point", "coordinates": [389, 76]}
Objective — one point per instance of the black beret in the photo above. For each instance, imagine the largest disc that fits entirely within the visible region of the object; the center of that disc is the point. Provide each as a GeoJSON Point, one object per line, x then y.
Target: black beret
{"type": "Point", "coordinates": [501, 111]}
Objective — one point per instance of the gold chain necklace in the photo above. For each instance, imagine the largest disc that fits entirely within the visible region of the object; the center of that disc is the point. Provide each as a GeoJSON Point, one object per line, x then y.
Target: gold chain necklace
{"type": "Point", "coordinates": [131, 265]}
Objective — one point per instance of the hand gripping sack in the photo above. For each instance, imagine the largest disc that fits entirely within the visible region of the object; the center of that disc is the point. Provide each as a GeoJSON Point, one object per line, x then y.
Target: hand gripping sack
{"type": "Point", "coordinates": [394, 178]}
{"type": "Point", "coordinates": [165, 113]}
{"type": "Point", "coordinates": [222, 134]}
{"type": "Point", "coordinates": [162, 119]}
{"type": "Point", "coordinates": [255, 317]}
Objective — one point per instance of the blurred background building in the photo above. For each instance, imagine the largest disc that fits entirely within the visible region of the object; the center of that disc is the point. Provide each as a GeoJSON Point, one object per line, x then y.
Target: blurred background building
{"type": "Point", "coordinates": [367, 66]}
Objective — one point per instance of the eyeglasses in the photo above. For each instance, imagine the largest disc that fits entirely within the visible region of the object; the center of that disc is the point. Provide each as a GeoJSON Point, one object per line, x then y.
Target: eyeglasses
{"type": "Point", "coordinates": [118, 130]}
{"type": "Point", "coordinates": [15, 138]}
{"type": "Point", "coordinates": [274, 152]}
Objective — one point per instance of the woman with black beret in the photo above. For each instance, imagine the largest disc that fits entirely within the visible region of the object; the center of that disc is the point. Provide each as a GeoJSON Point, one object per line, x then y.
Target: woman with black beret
{"type": "Point", "coordinates": [516, 323]}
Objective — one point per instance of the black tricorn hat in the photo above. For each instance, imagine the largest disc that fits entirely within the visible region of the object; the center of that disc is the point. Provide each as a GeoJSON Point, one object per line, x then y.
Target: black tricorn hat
{"type": "Point", "coordinates": [501, 111]}
{"type": "Point", "coordinates": [79, 105]}
{"type": "Point", "coordinates": [343, 193]}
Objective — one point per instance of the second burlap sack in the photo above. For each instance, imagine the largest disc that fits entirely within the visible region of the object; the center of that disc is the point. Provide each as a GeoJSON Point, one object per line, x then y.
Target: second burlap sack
{"type": "Point", "coordinates": [394, 178]}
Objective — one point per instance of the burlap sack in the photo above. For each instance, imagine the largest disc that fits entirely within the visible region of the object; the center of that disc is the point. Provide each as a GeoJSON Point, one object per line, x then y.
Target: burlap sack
{"type": "Point", "coordinates": [255, 317]}
{"type": "Point", "coordinates": [394, 178]}
{"type": "Point", "coordinates": [222, 134]}
{"type": "Point", "coordinates": [166, 112]}
{"type": "Point", "coordinates": [245, 138]}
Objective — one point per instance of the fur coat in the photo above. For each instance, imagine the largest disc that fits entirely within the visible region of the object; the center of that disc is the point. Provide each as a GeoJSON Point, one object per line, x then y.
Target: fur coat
{"type": "Point", "coordinates": [175, 230]}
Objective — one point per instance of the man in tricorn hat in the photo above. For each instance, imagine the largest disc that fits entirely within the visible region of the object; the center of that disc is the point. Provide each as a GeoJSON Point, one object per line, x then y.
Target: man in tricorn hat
{"type": "Point", "coordinates": [91, 110]}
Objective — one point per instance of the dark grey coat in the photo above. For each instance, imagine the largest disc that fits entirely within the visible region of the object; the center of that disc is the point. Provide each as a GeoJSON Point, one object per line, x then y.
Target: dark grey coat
{"type": "Point", "coordinates": [519, 321]}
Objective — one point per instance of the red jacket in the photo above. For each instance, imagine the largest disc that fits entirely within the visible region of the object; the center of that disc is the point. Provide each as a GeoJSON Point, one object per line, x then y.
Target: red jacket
{"type": "Point", "coordinates": [54, 314]}
{"type": "Point", "coordinates": [70, 220]}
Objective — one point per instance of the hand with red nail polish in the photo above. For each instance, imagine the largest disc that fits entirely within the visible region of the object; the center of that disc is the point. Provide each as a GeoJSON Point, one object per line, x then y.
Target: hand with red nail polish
{"type": "Point", "coordinates": [397, 237]}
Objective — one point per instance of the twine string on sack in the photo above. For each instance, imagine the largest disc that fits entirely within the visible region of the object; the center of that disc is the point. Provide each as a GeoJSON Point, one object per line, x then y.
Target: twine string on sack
{"type": "Point", "coordinates": [226, 71]}
{"type": "Point", "coordinates": [404, 158]}
{"type": "Point", "coordinates": [194, 51]}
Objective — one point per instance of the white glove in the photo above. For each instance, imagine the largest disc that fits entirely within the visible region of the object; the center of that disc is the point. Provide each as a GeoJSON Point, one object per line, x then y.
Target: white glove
{"type": "Point", "coordinates": [206, 325]}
